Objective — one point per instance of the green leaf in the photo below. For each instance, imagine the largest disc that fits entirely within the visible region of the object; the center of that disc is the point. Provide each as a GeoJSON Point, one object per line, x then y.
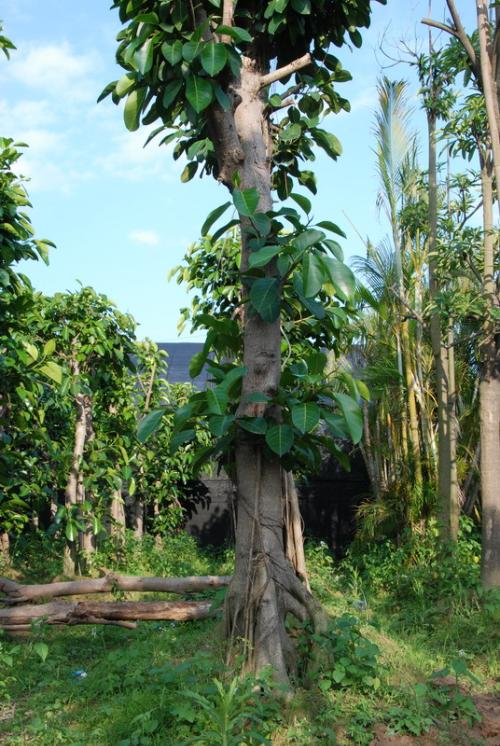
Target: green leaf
{"type": "Point", "coordinates": [246, 201]}
{"type": "Point", "coordinates": [302, 201]}
{"type": "Point", "coordinates": [189, 171]}
{"type": "Point", "coordinates": [308, 238]}
{"type": "Point", "coordinates": [353, 416]}
{"type": "Point", "coordinates": [149, 424]}
{"type": "Point", "coordinates": [305, 417]}
{"type": "Point", "coordinates": [132, 110]}
{"type": "Point", "coordinates": [220, 424]}
{"type": "Point", "coordinates": [333, 227]}
{"type": "Point", "coordinates": [262, 223]}
{"type": "Point", "coordinates": [52, 370]}
{"type": "Point", "coordinates": [263, 256]}
{"type": "Point", "coordinates": [326, 140]}
{"type": "Point", "coordinates": [217, 400]}
{"type": "Point", "coordinates": [172, 52]}
{"type": "Point", "coordinates": [235, 32]}
{"type": "Point", "coordinates": [256, 425]}
{"type": "Point", "coordinates": [280, 439]}
{"type": "Point", "coordinates": [71, 531]}
{"type": "Point", "coordinates": [213, 58]}
{"type": "Point", "coordinates": [125, 84]}
{"type": "Point", "coordinates": [143, 57]}
{"type": "Point", "coordinates": [340, 276]}
{"type": "Point", "coordinates": [292, 132]}
{"type": "Point", "coordinates": [212, 217]}
{"type": "Point", "coordinates": [234, 375]}
{"type": "Point", "coordinates": [49, 347]}
{"type": "Point", "coordinates": [191, 49]}
{"type": "Point", "coordinates": [132, 487]}
{"type": "Point", "coordinates": [179, 439]}
{"type": "Point", "coordinates": [265, 298]}
{"type": "Point", "coordinates": [41, 649]}
{"type": "Point", "coordinates": [313, 275]}
{"type": "Point", "coordinates": [336, 424]}
{"type": "Point", "coordinates": [196, 363]}
{"type": "Point", "coordinates": [31, 350]}
{"type": "Point", "coordinates": [199, 92]}
{"type": "Point", "coordinates": [170, 92]}
{"type": "Point", "coordinates": [302, 6]}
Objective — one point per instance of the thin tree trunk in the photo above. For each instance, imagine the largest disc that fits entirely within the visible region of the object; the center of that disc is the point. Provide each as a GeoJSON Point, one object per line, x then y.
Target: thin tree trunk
{"type": "Point", "coordinates": [490, 399]}
{"type": "Point", "coordinates": [453, 426]}
{"type": "Point", "coordinates": [138, 518]}
{"type": "Point", "coordinates": [440, 353]}
{"type": "Point", "coordinates": [5, 548]}
{"type": "Point", "coordinates": [489, 69]}
{"type": "Point", "coordinates": [73, 486]}
{"type": "Point", "coordinates": [412, 406]}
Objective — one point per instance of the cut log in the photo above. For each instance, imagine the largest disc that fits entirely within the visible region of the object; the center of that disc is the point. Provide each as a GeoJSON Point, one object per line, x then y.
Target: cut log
{"type": "Point", "coordinates": [17, 593]}
{"type": "Point", "coordinates": [120, 613]}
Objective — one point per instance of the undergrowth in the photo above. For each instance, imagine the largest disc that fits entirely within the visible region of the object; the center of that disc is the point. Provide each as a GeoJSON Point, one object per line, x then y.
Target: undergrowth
{"type": "Point", "coordinates": [412, 637]}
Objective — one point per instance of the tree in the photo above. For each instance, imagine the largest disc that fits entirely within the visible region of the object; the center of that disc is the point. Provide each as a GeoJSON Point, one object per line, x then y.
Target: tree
{"type": "Point", "coordinates": [205, 70]}
{"type": "Point", "coordinates": [484, 69]}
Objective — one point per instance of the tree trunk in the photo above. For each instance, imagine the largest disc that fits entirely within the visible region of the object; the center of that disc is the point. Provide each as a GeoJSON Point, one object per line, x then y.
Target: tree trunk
{"type": "Point", "coordinates": [138, 518]}
{"type": "Point", "coordinates": [5, 548]}
{"type": "Point", "coordinates": [446, 496]}
{"type": "Point", "coordinates": [490, 398]}
{"type": "Point", "coordinates": [264, 586]}
{"type": "Point", "coordinates": [74, 484]}
{"type": "Point", "coordinates": [490, 84]}
{"type": "Point", "coordinates": [117, 528]}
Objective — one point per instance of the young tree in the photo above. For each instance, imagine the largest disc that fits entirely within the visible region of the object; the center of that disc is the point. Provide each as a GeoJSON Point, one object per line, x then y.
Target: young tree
{"type": "Point", "coordinates": [205, 70]}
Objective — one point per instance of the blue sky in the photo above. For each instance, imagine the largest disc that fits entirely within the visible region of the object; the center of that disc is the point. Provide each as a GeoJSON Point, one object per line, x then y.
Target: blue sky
{"type": "Point", "coordinates": [118, 212]}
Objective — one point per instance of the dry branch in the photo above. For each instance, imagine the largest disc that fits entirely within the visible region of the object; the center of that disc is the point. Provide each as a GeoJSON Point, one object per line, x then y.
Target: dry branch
{"type": "Point", "coordinates": [119, 613]}
{"type": "Point", "coordinates": [17, 593]}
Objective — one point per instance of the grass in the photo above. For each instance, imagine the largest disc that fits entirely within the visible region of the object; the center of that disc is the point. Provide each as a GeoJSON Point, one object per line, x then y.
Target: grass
{"type": "Point", "coordinates": [166, 683]}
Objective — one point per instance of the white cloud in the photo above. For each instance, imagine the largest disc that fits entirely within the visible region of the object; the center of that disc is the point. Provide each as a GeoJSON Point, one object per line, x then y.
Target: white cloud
{"type": "Point", "coordinates": [145, 237]}
{"type": "Point", "coordinates": [24, 114]}
{"type": "Point", "coordinates": [129, 159]}
{"type": "Point", "coordinates": [57, 70]}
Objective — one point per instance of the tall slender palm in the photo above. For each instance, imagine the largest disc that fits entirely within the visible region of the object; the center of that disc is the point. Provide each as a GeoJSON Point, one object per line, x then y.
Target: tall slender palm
{"type": "Point", "coordinates": [396, 155]}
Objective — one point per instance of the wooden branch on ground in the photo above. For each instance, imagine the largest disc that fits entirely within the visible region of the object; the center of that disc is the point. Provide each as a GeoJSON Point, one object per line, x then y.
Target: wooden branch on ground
{"type": "Point", "coordinates": [15, 593]}
{"type": "Point", "coordinates": [119, 613]}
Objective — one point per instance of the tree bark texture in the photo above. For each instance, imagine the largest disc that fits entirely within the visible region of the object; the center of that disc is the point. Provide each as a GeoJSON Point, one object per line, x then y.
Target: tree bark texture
{"type": "Point", "coordinates": [120, 613]}
{"type": "Point", "coordinates": [447, 495]}
{"type": "Point", "coordinates": [265, 586]}
{"type": "Point", "coordinates": [17, 593]}
{"type": "Point", "coordinates": [489, 389]}
{"type": "Point", "coordinates": [72, 495]}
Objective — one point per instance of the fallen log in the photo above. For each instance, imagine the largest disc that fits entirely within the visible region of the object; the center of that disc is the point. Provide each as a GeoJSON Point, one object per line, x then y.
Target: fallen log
{"type": "Point", "coordinates": [119, 613]}
{"type": "Point", "coordinates": [16, 593]}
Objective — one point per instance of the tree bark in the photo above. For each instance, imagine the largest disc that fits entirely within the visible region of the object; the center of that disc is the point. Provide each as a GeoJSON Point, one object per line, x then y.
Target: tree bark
{"type": "Point", "coordinates": [490, 84]}
{"type": "Point", "coordinates": [489, 389]}
{"type": "Point", "coordinates": [264, 586]}
{"type": "Point", "coordinates": [5, 548]}
{"type": "Point", "coordinates": [117, 528]}
{"type": "Point", "coordinates": [447, 496]}
{"type": "Point", "coordinates": [18, 593]}
{"type": "Point", "coordinates": [72, 493]}
{"type": "Point", "coordinates": [120, 613]}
